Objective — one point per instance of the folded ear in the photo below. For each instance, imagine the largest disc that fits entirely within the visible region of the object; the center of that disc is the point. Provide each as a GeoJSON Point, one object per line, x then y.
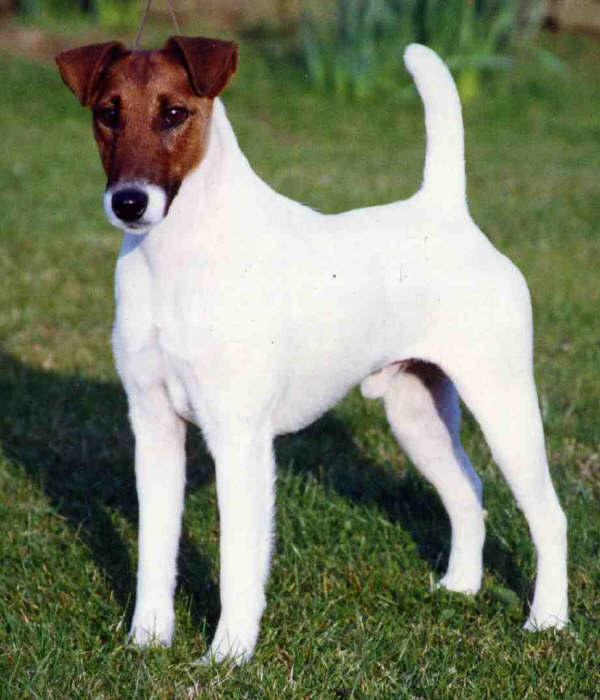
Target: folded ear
{"type": "Point", "coordinates": [209, 62]}
{"type": "Point", "coordinates": [82, 68]}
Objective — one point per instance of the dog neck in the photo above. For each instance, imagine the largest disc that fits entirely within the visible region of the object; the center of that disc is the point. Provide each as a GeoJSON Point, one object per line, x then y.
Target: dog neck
{"type": "Point", "coordinates": [224, 170]}
{"type": "Point", "coordinates": [214, 197]}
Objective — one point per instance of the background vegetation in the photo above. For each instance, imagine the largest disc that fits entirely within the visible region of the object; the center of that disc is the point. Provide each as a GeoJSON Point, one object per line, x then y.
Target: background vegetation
{"type": "Point", "coordinates": [361, 537]}
{"type": "Point", "coordinates": [357, 54]}
{"type": "Point", "coordinates": [350, 48]}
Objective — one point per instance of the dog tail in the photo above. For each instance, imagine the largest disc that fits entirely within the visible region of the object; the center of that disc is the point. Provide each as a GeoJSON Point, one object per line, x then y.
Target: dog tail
{"type": "Point", "coordinates": [444, 175]}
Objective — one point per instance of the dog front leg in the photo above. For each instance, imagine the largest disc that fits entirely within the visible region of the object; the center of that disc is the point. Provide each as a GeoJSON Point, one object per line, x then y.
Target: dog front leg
{"type": "Point", "coordinates": [245, 474]}
{"type": "Point", "coordinates": [160, 480]}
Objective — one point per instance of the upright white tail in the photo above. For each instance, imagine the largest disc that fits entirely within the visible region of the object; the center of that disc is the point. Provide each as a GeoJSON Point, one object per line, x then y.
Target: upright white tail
{"type": "Point", "coordinates": [444, 174]}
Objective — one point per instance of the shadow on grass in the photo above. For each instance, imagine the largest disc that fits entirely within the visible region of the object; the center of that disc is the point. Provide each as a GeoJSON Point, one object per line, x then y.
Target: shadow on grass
{"type": "Point", "coordinates": [327, 450]}
{"type": "Point", "coordinates": [72, 437]}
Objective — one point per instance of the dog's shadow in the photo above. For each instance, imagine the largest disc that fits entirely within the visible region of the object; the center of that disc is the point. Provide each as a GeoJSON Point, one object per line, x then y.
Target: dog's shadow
{"type": "Point", "coordinates": [71, 435]}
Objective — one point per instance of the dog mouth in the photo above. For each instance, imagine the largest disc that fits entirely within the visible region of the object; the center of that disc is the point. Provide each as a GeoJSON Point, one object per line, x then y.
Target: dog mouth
{"type": "Point", "coordinates": [135, 207]}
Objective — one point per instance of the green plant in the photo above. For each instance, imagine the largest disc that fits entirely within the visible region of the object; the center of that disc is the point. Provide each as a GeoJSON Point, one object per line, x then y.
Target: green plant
{"type": "Point", "coordinates": [473, 37]}
{"type": "Point", "coordinates": [359, 54]}
{"type": "Point", "coordinates": [112, 14]}
{"type": "Point", "coordinates": [116, 14]}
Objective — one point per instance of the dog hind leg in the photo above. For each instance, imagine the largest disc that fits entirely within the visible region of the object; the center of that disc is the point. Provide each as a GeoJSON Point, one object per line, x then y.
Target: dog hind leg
{"type": "Point", "coordinates": [423, 410]}
{"type": "Point", "coordinates": [503, 399]}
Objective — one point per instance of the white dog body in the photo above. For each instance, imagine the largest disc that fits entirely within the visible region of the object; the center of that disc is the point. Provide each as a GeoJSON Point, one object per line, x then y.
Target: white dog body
{"type": "Point", "coordinates": [251, 315]}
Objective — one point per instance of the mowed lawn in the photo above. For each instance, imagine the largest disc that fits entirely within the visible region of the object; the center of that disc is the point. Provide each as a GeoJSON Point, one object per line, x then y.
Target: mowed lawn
{"type": "Point", "coordinates": [361, 537]}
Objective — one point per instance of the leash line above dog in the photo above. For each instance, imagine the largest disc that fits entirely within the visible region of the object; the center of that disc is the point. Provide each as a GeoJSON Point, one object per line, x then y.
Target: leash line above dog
{"type": "Point", "coordinates": [145, 17]}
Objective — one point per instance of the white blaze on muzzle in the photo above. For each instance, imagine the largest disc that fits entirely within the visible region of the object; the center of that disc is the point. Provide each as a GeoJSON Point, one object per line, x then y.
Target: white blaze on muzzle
{"type": "Point", "coordinates": [135, 206]}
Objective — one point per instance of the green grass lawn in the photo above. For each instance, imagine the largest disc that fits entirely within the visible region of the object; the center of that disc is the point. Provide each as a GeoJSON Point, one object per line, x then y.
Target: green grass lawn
{"type": "Point", "coordinates": [361, 537]}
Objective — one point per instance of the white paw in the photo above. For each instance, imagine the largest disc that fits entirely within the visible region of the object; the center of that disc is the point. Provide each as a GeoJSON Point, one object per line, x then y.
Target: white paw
{"type": "Point", "coordinates": [537, 623]}
{"type": "Point", "coordinates": [152, 626]}
{"type": "Point", "coordinates": [233, 643]}
{"type": "Point", "coordinates": [548, 611]}
{"type": "Point", "coordinates": [467, 582]}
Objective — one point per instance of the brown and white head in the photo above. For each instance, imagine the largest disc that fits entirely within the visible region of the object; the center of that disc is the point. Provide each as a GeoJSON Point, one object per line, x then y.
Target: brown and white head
{"type": "Point", "coordinates": [151, 114]}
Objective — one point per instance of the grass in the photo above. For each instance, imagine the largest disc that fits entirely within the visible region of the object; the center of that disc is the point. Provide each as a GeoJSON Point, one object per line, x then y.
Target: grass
{"type": "Point", "coordinates": [361, 537]}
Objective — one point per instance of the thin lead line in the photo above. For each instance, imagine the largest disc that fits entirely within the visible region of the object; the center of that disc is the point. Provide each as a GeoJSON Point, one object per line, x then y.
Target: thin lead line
{"type": "Point", "coordinates": [142, 23]}
{"type": "Point", "coordinates": [145, 17]}
{"type": "Point", "coordinates": [173, 17]}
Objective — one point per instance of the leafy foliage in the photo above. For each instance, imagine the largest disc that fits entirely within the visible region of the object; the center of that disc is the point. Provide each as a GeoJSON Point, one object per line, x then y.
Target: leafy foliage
{"type": "Point", "coordinates": [359, 54]}
{"type": "Point", "coordinates": [111, 14]}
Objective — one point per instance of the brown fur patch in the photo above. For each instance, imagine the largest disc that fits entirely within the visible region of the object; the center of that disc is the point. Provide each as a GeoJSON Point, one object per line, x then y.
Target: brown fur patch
{"type": "Point", "coordinates": [151, 108]}
{"type": "Point", "coordinates": [142, 85]}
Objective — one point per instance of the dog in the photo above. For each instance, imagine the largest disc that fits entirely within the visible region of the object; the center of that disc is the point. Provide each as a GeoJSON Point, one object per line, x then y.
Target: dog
{"type": "Point", "coordinates": [251, 315]}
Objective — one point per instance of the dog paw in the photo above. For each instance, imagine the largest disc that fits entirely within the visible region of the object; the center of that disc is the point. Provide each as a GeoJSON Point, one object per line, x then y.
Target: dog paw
{"type": "Point", "coordinates": [468, 583]}
{"type": "Point", "coordinates": [152, 627]}
{"type": "Point", "coordinates": [537, 623]}
{"type": "Point", "coordinates": [234, 644]}
{"type": "Point", "coordinates": [219, 656]}
{"type": "Point", "coordinates": [549, 610]}
{"type": "Point", "coordinates": [534, 624]}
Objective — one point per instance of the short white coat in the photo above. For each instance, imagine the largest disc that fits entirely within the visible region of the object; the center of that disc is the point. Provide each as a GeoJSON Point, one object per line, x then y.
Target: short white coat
{"type": "Point", "coordinates": [251, 315]}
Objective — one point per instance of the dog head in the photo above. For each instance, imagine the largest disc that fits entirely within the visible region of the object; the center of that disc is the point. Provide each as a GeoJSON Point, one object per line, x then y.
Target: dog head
{"type": "Point", "coordinates": [151, 111]}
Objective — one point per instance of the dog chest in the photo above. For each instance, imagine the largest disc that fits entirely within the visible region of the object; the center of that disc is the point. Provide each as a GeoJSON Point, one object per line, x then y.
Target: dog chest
{"type": "Point", "coordinates": [178, 378]}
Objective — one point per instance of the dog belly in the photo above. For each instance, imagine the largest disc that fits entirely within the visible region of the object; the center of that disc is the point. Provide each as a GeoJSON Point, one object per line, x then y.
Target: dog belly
{"type": "Point", "coordinates": [301, 406]}
{"type": "Point", "coordinates": [336, 349]}
{"type": "Point", "coordinates": [315, 383]}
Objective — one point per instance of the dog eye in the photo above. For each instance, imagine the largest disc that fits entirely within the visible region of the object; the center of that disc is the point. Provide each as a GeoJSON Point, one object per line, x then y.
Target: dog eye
{"type": "Point", "coordinates": [174, 116]}
{"type": "Point", "coordinates": [108, 116]}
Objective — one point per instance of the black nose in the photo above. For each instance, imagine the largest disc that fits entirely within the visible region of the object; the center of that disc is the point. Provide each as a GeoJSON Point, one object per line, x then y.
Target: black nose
{"type": "Point", "coordinates": [129, 204]}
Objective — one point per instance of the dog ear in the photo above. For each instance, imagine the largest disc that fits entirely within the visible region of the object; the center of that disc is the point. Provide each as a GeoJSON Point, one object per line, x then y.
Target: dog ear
{"type": "Point", "coordinates": [209, 62]}
{"type": "Point", "coordinates": [82, 68]}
